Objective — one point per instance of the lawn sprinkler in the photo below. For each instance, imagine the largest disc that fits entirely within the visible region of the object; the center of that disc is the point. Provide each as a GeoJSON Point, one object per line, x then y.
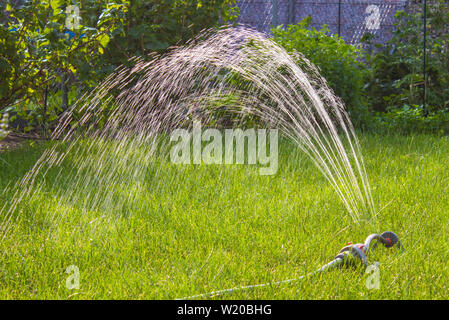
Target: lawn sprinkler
{"type": "Point", "coordinates": [356, 254]}
{"type": "Point", "coordinates": [352, 255]}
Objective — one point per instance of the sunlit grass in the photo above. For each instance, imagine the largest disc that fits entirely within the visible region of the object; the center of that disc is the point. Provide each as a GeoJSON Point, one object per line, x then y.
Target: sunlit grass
{"type": "Point", "coordinates": [195, 229]}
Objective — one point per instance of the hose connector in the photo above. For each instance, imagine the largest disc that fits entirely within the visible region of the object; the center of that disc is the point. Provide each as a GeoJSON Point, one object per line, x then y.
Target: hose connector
{"type": "Point", "coordinates": [352, 256]}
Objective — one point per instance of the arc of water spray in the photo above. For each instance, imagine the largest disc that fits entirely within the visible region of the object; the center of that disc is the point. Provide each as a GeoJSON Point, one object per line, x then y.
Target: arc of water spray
{"type": "Point", "coordinates": [135, 105]}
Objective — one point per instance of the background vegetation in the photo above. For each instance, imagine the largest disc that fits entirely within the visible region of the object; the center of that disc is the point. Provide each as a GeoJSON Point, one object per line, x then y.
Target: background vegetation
{"type": "Point", "coordinates": [338, 61]}
{"type": "Point", "coordinates": [395, 80]}
{"type": "Point", "coordinates": [46, 64]}
{"type": "Point", "coordinates": [383, 84]}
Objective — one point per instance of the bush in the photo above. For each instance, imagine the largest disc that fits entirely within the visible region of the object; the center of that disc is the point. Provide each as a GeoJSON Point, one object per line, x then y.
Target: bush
{"type": "Point", "coordinates": [395, 77]}
{"type": "Point", "coordinates": [395, 80]}
{"type": "Point", "coordinates": [157, 25]}
{"type": "Point", "coordinates": [338, 61]}
{"type": "Point", "coordinates": [44, 58]}
{"type": "Point", "coordinates": [410, 119]}
{"type": "Point", "coordinates": [41, 54]}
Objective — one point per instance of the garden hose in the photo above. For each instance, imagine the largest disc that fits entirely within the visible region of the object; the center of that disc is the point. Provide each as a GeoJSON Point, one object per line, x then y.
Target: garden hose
{"type": "Point", "coordinates": [351, 255]}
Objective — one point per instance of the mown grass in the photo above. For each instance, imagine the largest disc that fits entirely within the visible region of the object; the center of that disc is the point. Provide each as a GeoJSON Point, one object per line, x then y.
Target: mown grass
{"type": "Point", "coordinates": [211, 227]}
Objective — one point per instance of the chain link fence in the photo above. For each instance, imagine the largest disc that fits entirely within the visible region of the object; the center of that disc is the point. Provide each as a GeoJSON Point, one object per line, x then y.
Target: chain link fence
{"type": "Point", "coordinates": [349, 18]}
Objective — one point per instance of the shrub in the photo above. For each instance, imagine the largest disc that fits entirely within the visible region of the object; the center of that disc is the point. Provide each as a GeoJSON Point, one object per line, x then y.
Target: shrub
{"type": "Point", "coordinates": [157, 25]}
{"type": "Point", "coordinates": [41, 53]}
{"type": "Point", "coordinates": [337, 61]}
{"type": "Point", "coordinates": [410, 119]}
{"type": "Point", "coordinates": [42, 57]}
{"type": "Point", "coordinates": [395, 77]}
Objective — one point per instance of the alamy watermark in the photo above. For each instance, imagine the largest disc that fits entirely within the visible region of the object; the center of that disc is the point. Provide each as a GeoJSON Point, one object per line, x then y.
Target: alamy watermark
{"type": "Point", "coordinates": [373, 279]}
{"type": "Point", "coordinates": [73, 280]}
{"type": "Point", "coordinates": [372, 21]}
{"type": "Point", "coordinates": [189, 147]}
{"type": "Point", "coordinates": [73, 18]}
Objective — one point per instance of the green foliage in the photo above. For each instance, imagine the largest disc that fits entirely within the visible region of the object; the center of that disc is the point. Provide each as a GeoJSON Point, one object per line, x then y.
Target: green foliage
{"type": "Point", "coordinates": [43, 54]}
{"type": "Point", "coordinates": [338, 62]}
{"type": "Point", "coordinates": [395, 77]}
{"type": "Point", "coordinates": [156, 25]}
{"type": "Point", "coordinates": [41, 45]}
{"type": "Point", "coordinates": [410, 119]}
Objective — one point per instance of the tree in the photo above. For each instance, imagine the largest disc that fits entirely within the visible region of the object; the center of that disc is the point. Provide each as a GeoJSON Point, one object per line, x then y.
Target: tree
{"type": "Point", "coordinates": [155, 25]}
{"type": "Point", "coordinates": [61, 44]}
{"type": "Point", "coordinates": [43, 43]}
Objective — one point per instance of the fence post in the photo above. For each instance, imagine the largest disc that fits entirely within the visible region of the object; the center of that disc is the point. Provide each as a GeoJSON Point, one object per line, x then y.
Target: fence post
{"type": "Point", "coordinates": [425, 111]}
{"type": "Point", "coordinates": [291, 11]}
{"type": "Point", "coordinates": [274, 20]}
{"type": "Point", "coordinates": [339, 17]}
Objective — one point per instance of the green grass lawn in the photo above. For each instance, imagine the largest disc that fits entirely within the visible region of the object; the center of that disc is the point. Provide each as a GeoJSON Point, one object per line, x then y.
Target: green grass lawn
{"type": "Point", "coordinates": [195, 229]}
